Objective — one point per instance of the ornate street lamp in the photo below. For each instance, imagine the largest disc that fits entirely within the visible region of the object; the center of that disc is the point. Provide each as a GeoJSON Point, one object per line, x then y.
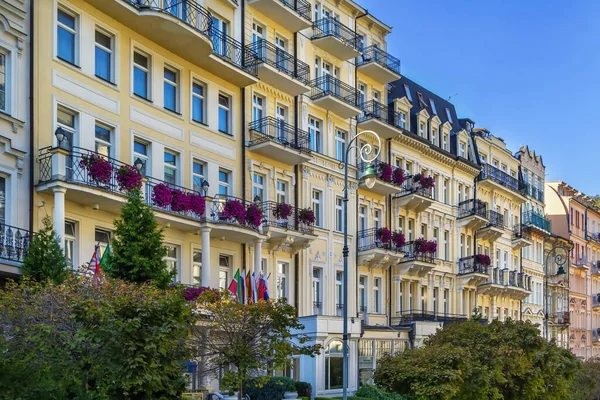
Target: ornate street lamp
{"type": "Point", "coordinates": [60, 135]}
{"type": "Point", "coordinates": [368, 177]}
{"type": "Point", "coordinates": [561, 256]}
{"type": "Point", "coordinates": [205, 186]}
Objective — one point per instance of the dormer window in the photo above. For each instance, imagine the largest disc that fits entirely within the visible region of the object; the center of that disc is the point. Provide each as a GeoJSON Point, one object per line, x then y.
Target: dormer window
{"type": "Point", "coordinates": [432, 104]}
{"type": "Point", "coordinates": [421, 129]}
{"type": "Point", "coordinates": [408, 95]}
{"type": "Point", "coordinates": [461, 149]}
{"type": "Point", "coordinates": [449, 116]}
{"type": "Point", "coordinates": [434, 135]}
{"type": "Point", "coordinates": [445, 142]}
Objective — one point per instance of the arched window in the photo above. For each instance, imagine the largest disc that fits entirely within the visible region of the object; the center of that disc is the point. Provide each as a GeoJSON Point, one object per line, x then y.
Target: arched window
{"type": "Point", "coordinates": [334, 365]}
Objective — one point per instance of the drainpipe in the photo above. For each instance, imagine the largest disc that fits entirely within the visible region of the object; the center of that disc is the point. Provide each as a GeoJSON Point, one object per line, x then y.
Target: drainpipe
{"type": "Point", "coordinates": [389, 221]}
{"type": "Point", "coordinates": [356, 58]}
{"type": "Point", "coordinates": [31, 114]}
{"type": "Point", "coordinates": [243, 123]}
{"type": "Point", "coordinates": [296, 176]}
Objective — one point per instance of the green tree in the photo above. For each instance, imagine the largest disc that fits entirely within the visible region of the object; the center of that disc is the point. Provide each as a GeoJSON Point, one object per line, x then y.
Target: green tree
{"type": "Point", "coordinates": [92, 339]}
{"type": "Point", "coordinates": [138, 251]}
{"type": "Point", "coordinates": [246, 339]}
{"type": "Point", "coordinates": [471, 360]}
{"type": "Point", "coordinates": [45, 259]}
{"type": "Point", "coordinates": [586, 385]}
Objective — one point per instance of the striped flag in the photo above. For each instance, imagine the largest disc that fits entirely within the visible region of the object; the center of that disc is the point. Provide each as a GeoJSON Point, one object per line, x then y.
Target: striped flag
{"type": "Point", "coordinates": [242, 288]}
{"type": "Point", "coordinates": [95, 261]}
{"type": "Point", "coordinates": [105, 255]}
{"type": "Point", "coordinates": [234, 287]}
{"type": "Point", "coordinates": [254, 288]}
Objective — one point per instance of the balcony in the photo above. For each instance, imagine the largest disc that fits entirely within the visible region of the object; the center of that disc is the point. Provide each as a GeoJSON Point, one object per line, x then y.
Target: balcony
{"type": "Point", "coordinates": [410, 316]}
{"type": "Point", "coordinates": [472, 214]}
{"type": "Point", "coordinates": [472, 270]}
{"type": "Point", "coordinates": [163, 20]}
{"type": "Point", "coordinates": [521, 237]}
{"type": "Point", "coordinates": [335, 38]}
{"type": "Point", "coordinates": [283, 228]}
{"type": "Point", "coordinates": [317, 308]}
{"type": "Point", "coordinates": [334, 95]}
{"type": "Point", "coordinates": [67, 169]}
{"type": "Point", "coordinates": [387, 180]}
{"type": "Point", "coordinates": [13, 248]}
{"type": "Point", "coordinates": [295, 15]}
{"type": "Point", "coordinates": [280, 69]}
{"type": "Point", "coordinates": [559, 318]}
{"type": "Point", "coordinates": [230, 60]}
{"type": "Point", "coordinates": [595, 268]}
{"type": "Point", "coordinates": [593, 237]}
{"type": "Point", "coordinates": [416, 262]}
{"type": "Point", "coordinates": [494, 229]}
{"type": "Point", "coordinates": [279, 141]}
{"type": "Point", "coordinates": [537, 222]}
{"type": "Point", "coordinates": [414, 196]}
{"type": "Point", "coordinates": [379, 65]}
{"type": "Point", "coordinates": [494, 179]}
{"type": "Point", "coordinates": [534, 193]}
{"type": "Point", "coordinates": [596, 300]}
{"type": "Point", "coordinates": [375, 251]}
{"type": "Point", "coordinates": [375, 117]}
{"type": "Point", "coordinates": [513, 284]}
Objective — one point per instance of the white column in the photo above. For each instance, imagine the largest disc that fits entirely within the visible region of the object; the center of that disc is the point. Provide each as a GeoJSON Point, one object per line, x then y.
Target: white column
{"type": "Point", "coordinates": [205, 256]}
{"type": "Point", "coordinates": [460, 293]}
{"type": "Point", "coordinates": [430, 296]}
{"type": "Point", "coordinates": [257, 256]}
{"type": "Point", "coordinates": [59, 214]}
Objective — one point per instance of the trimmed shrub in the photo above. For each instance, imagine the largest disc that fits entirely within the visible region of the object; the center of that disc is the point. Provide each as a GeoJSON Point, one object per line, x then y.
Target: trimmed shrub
{"type": "Point", "coordinates": [258, 389]}
{"type": "Point", "coordinates": [304, 389]}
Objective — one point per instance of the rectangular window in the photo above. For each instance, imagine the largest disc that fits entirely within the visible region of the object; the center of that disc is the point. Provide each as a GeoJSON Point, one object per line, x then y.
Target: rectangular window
{"type": "Point", "coordinates": [282, 280]}
{"type": "Point", "coordinates": [281, 191]}
{"type": "Point", "coordinates": [224, 113]}
{"type": "Point", "coordinates": [67, 36]}
{"type": "Point", "coordinates": [446, 245]}
{"type": "Point", "coordinates": [224, 265]}
{"type": "Point", "coordinates": [339, 221]}
{"type": "Point", "coordinates": [316, 206]}
{"type": "Point", "coordinates": [172, 260]}
{"type": "Point", "coordinates": [461, 150]}
{"type": "Point", "coordinates": [198, 174]}
{"type": "Point", "coordinates": [316, 292]}
{"type": "Point", "coordinates": [401, 120]}
{"type": "Point", "coordinates": [171, 77]}
{"type": "Point", "coordinates": [141, 151]}
{"type": "Point", "coordinates": [436, 239]}
{"type": "Point", "coordinates": [224, 180]}
{"type": "Point", "coordinates": [2, 200]}
{"type": "Point", "coordinates": [141, 75]}
{"type": "Point", "coordinates": [362, 294]}
{"type": "Point", "coordinates": [445, 142]}
{"type": "Point", "coordinates": [445, 190]}
{"type": "Point", "coordinates": [198, 103]}
{"type": "Point", "coordinates": [170, 175]}
{"type": "Point", "coordinates": [314, 130]}
{"type": "Point", "coordinates": [4, 83]}
{"type": "Point", "coordinates": [258, 103]}
{"type": "Point", "coordinates": [421, 129]}
{"type": "Point", "coordinates": [339, 289]}
{"type": "Point", "coordinates": [258, 186]}
{"type": "Point", "coordinates": [104, 55]}
{"type": "Point", "coordinates": [102, 238]}
{"type": "Point", "coordinates": [408, 95]}
{"type": "Point", "coordinates": [197, 267]}
{"type": "Point", "coordinates": [432, 104]}
{"type": "Point", "coordinates": [449, 115]}
{"type": "Point", "coordinates": [70, 243]}
{"type": "Point", "coordinates": [377, 295]}
{"type": "Point", "coordinates": [340, 145]}
{"type": "Point", "coordinates": [103, 138]}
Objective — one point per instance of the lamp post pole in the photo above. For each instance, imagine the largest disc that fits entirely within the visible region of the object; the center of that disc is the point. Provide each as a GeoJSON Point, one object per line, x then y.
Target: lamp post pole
{"type": "Point", "coordinates": [559, 260]}
{"type": "Point", "coordinates": [368, 176]}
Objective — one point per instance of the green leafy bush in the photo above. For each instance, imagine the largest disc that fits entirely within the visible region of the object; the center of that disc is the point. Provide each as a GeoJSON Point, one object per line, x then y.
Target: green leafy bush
{"type": "Point", "coordinates": [259, 389]}
{"type": "Point", "coordinates": [304, 389]}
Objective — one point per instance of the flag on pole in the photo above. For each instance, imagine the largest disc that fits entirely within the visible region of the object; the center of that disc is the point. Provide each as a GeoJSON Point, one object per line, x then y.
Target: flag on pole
{"type": "Point", "coordinates": [233, 286]}
{"type": "Point", "coordinates": [242, 285]}
{"type": "Point", "coordinates": [105, 255]}
{"type": "Point", "coordinates": [248, 288]}
{"type": "Point", "coordinates": [95, 261]}
{"type": "Point", "coordinates": [266, 288]}
{"type": "Point", "coordinates": [254, 288]}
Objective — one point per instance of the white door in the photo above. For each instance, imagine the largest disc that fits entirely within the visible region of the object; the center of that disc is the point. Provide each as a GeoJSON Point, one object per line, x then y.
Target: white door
{"type": "Point", "coordinates": [280, 54]}
{"type": "Point", "coordinates": [257, 40]}
{"type": "Point", "coordinates": [363, 226]}
{"type": "Point", "coordinates": [282, 134]}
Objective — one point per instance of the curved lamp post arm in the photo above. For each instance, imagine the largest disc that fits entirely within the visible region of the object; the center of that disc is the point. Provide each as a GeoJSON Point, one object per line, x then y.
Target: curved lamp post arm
{"type": "Point", "coordinates": [561, 256]}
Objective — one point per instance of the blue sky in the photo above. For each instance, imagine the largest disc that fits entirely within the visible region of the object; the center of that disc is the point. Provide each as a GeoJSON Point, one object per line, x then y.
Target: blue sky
{"type": "Point", "coordinates": [528, 70]}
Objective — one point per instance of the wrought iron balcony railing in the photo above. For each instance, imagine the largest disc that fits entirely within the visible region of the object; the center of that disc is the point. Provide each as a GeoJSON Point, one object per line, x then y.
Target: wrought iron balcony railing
{"type": "Point", "coordinates": [470, 265]}
{"type": "Point", "coordinates": [531, 218]}
{"type": "Point", "coordinates": [374, 109]}
{"type": "Point", "coordinates": [218, 212]}
{"type": "Point", "coordinates": [385, 171]}
{"type": "Point", "coordinates": [277, 131]}
{"type": "Point", "coordinates": [379, 56]}
{"type": "Point", "coordinates": [328, 85]}
{"type": "Point", "coordinates": [14, 243]}
{"type": "Point", "coordinates": [519, 232]}
{"type": "Point", "coordinates": [302, 7]}
{"type": "Point", "coordinates": [534, 192]}
{"type": "Point", "coordinates": [411, 187]}
{"type": "Point", "coordinates": [332, 27]}
{"type": "Point", "coordinates": [594, 236]}
{"type": "Point", "coordinates": [490, 172]}
{"type": "Point", "coordinates": [369, 239]}
{"type": "Point", "coordinates": [467, 208]}
{"type": "Point", "coordinates": [188, 12]}
{"type": "Point", "coordinates": [495, 219]}
{"type": "Point", "coordinates": [412, 252]}
{"type": "Point", "coordinates": [432, 316]}
{"type": "Point", "coordinates": [232, 51]}
{"type": "Point", "coordinates": [275, 215]}
{"type": "Point", "coordinates": [559, 318]}
{"type": "Point", "coordinates": [266, 52]}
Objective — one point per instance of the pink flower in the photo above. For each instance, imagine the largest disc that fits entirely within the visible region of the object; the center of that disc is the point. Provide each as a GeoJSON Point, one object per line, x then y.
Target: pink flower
{"type": "Point", "coordinates": [234, 210]}
{"type": "Point", "coordinates": [197, 204]}
{"type": "Point", "coordinates": [398, 238]}
{"type": "Point", "coordinates": [128, 178]}
{"type": "Point", "coordinates": [282, 211]}
{"type": "Point", "coordinates": [179, 201]}
{"type": "Point", "coordinates": [254, 215]}
{"type": "Point", "coordinates": [384, 235]}
{"type": "Point", "coordinates": [98, 168]}
{"type": "Point", "coordinates": [306, 216]}
{"type": "Point", "coordinates": [398, 178]}
{"type": "Point", "coordinates": [162, 195]}
{"type": "Point", "coordinates": [385, 172]}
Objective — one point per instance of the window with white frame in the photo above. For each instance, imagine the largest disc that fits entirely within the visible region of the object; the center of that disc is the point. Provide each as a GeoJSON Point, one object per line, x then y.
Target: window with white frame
{"type": "Point", "coordinates": [224, 266]}
{"type": "Point", "coordinates": [436, 239]}
{"type": "Point", "coordinates": [281, 191]}
{"type": "Point", "coordinates": [401, 120]}
{"type": "Point", "coordinates": [316, 290]}
{"type": "Point", "coordinates": [445, 190]}
{"type": "Point", "coordinates": [67, 36]}
{"type": "Point", "coordinates": [224, 181]}
{"type": "Point", "coordinates": [421, 129]}
{"type": "Point", "coordinates": [141, 74]}
{"type": "Point", "coordinates": [445, 142]}
{"type": "Point", "coordinates": [198, 102]}
{"type": "Point", "coordinates": [461, 149]}
{"type": "Point", "coordinates": [141, 151]}
{"type": "Point", "coordinates": [70, 240]}
{"type": "Point", "coordinates": [314, 130]}
{"type": "Point", "coordinates": [376, 218]}
{"type": "Point", "coordinates": [339, 289]}
{"type": "Point", "coordinates": [224, 113]}
{"type": "Point", "coordinates": [2, 200]}
{"type": "Point", "coordinates": [170, 165]}
{"type": "Point", "coordinates": [435, 132]}
{"type": "Point", "coordinates": [316, 206]}
{"type": "Point", "coordinates": [258, 103]}
{"type": "Point", "coordinates": [446, 245]}
{"type": "Point", "coordinates": [282, 280]}
{"type": "Point", "coordinates": [362, 294]}
{"type": "Point", "coordinates": [102, 238]}
{"type": "Point", "coordinates": [67, 120]}
{"type": "Point", "coordinates": [103, 57]}
{"type": "Point", "coordinates": [339, 219]}
{"type": "Point", "coordinates": [172, 261]}
{"type": "Point", "coordinates": [258, 186]}
{"type": "Point", "coordinates": [197, 267]}
{"type": "Point", "coordinates": [334, 361]}
{"type": "Point", "coordinates": [377, 295]}
{"type": "Point", "coordinates": [171, 89]}
{"type": "Point", "coordinates": [4, 83]}
{"type": "Point", "coordinates": [198, 174]}
{"type": "Point", "coordinates": [340, 145]}
{"type": "Point", "coordinates": [103, 138]}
